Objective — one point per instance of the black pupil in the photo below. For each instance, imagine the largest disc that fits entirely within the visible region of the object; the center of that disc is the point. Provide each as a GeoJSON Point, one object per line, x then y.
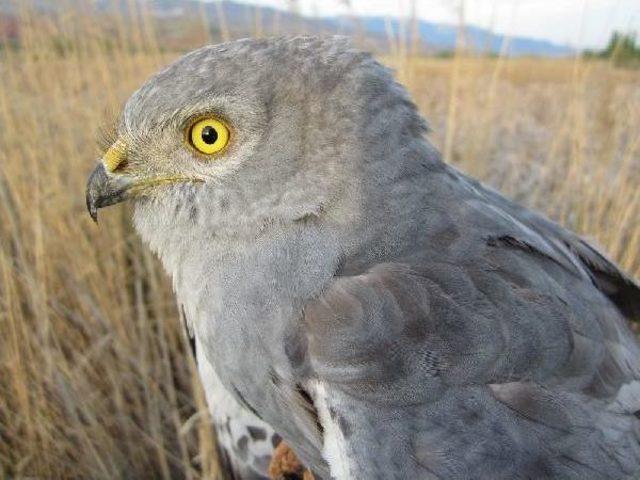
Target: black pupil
{"type": "Point", "coordinates": [209, 135]}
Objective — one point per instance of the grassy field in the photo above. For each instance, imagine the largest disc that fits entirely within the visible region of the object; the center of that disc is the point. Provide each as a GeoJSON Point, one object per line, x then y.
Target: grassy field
{"type": "Point", "coordinates": [94, 378]}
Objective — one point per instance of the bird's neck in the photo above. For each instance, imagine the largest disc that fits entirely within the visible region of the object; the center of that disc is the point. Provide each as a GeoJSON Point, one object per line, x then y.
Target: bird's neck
{"type": "Point", "coordinates": [240, 293]}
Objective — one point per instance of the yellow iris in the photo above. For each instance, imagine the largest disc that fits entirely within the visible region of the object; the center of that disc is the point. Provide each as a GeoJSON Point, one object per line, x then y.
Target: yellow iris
{"type": "Point", "coordinates": [208, 135]}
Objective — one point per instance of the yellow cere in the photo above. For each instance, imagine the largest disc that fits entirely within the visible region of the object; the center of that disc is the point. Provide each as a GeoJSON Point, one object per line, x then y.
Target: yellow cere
{"type": "Point", "coordinates": [208, 136]}
{"type": "Point", "coordinates": [114, 156]}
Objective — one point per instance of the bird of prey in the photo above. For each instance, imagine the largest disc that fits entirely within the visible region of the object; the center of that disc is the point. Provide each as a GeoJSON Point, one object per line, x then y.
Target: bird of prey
{"type": "Point", "coordinates": [348, 291]}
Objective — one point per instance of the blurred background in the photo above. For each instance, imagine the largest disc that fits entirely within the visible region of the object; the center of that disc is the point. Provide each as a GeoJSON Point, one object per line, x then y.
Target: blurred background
{"type": "Point", "coordinates": [539, 98]}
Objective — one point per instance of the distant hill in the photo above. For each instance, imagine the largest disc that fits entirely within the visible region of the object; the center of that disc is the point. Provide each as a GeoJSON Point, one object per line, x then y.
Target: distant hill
{"type": "Point", "coordinates": [241, 21]}
{"type": "Point", "coordinates": [442, 37]}
{"type": "Point", "coordinates": [434, 36]}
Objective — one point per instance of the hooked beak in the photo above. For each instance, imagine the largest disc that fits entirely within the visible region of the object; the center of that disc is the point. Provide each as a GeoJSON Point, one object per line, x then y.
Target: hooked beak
{"type": "Point", "coordinates": [104, 189]}
{"type": "Point", "coordinates": [108, 184]}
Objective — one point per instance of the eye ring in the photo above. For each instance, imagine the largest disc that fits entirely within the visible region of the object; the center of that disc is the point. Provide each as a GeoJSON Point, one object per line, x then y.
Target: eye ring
{"type": "Point", "coordinates": [208, 135]}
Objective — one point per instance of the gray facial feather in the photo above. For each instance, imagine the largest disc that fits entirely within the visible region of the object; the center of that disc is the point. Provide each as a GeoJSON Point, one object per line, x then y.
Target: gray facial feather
{"type": "Point", "coordinates": [330, 256]}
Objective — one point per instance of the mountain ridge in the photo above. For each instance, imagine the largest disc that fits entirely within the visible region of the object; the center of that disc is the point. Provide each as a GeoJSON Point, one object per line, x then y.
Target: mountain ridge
{"type": "Point", "coordinates": [240, 20]}
{"type": "Point", "coordinates": [434, 36]}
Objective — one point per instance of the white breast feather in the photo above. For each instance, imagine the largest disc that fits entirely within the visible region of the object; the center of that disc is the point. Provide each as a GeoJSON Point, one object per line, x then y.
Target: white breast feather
{"type": "Point", "coordinates": [225, 410]}
{"type": "Point", "coordinates": [334, 448]}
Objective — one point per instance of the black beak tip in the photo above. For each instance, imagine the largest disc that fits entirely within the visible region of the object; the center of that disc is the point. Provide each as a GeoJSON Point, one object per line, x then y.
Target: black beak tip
{"type": "Point", "coordinates": [92, 208]}
{"type": "Point", "coordinates": [95, 191]}
{"type": "Point", "coordinates": [93, 212]}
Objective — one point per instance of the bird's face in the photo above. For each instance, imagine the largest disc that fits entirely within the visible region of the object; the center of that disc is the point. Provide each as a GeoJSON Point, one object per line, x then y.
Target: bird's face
{"type": "Point", "coordinates": [250, 133]}
{"type": "Point", "coordinates": [177, 133]}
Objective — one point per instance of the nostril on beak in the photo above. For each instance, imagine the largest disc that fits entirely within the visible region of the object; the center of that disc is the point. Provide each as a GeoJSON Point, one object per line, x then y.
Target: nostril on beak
{"type": "Point", "coordinates": [115, 157]}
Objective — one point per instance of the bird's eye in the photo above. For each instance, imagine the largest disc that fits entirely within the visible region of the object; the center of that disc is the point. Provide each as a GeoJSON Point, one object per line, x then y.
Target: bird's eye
{"type": "Point", "coordinates": [208, 135]}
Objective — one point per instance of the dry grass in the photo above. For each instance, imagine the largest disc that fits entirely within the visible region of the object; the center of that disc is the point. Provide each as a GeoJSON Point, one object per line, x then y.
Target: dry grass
{"type": "Point", "coordinates": [94, 379]}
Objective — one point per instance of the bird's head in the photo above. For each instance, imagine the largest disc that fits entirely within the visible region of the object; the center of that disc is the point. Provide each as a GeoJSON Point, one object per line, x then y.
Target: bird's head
{"type": "Point", "coordinates": [255, 132]}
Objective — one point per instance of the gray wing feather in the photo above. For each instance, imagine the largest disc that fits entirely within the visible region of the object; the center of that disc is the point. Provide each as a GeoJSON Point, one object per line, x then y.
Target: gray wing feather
{"type": "Point", "coordinates": [607, 277]}
{"type": "Point", "coordinates": [507, 356]}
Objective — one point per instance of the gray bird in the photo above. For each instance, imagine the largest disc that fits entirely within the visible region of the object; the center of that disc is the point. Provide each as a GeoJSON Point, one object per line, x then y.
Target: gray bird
{"type": "Point", "coordinates": [386, 315]}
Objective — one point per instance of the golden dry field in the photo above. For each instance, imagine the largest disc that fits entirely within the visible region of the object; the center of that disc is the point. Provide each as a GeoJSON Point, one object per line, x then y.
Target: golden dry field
{"type": "Point", "coordinates": [95, 379]}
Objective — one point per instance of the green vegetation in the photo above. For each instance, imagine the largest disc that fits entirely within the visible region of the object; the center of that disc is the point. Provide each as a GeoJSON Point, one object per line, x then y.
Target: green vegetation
{"type": "Point", "coordinates": [623, 50]}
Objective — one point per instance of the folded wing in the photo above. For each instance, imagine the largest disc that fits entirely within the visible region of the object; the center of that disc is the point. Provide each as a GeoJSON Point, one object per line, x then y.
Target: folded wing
{"type": "Point", "coordinates": [508, 358]}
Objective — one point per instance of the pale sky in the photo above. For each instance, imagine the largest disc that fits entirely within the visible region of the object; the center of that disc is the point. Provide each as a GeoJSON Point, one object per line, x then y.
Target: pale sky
{"type": "Point", "coordinates": [579, 23]}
